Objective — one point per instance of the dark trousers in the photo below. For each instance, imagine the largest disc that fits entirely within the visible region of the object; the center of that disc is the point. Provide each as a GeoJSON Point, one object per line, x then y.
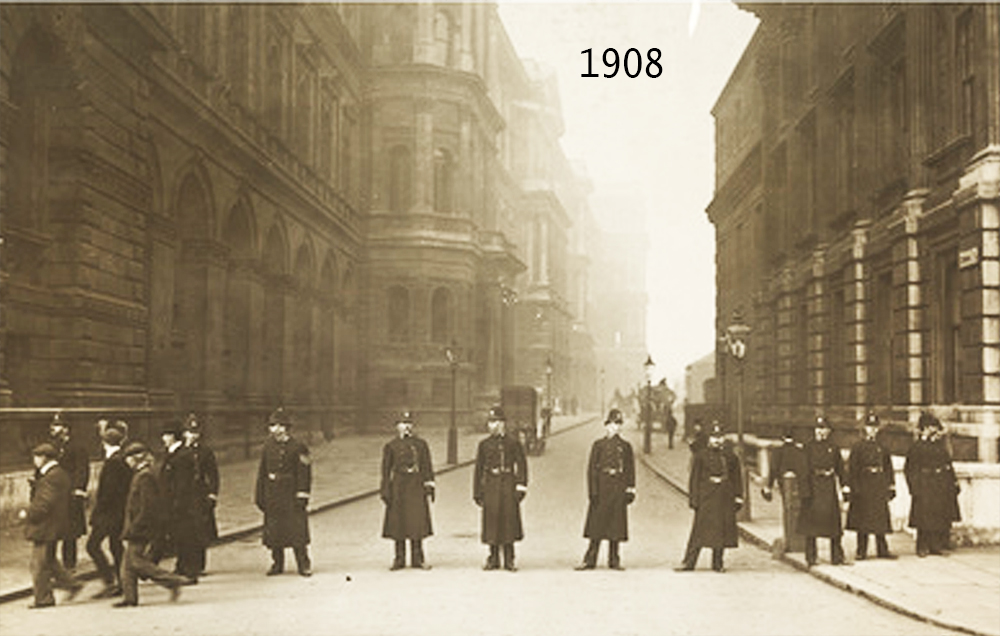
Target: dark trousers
{"type": "Point", "coordinates": [508, 555]}
{"type": "Point", "coordinates": [932, 541]}
{"type": "Point", "coordinates": [139, 564]}
{"type": "Point", "coordinates": [108, 574]}
{"type": "Point", "coordinates": [881, 545]}
{"type": "Point", "coordinates": [691, 557]}
{"type": "Point", "coordinates": [45, 569]}
{"type": "Point", "coordinates": [416, 553]}
{"type": "Point", "coordinates": [836, 551]}
{"type": "Point", "coordinates": [190, 559]}
{"type": "Point", "coordinates": [302, 561]}
{"type": "Point", "coordinates": [590, 557]}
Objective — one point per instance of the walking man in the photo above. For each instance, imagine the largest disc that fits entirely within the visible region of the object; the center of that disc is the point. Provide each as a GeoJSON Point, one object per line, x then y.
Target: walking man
{"type": "Point", "coordinates": [284, 482]}
{"type": "Point", "coordinates": [46, 519]}
{"type": "Point", "coordinates": [820, 513]}
{"type": "Point", "coordinates": [143, 524]}
{"type": "Point", "coordinates": [870, 487]}
{"type": "Point", "coordinates": [714, 492]}
{"type": "Point", "coordinates": [500, 483]}
{"type": "Point", "coordinates": [932, 482]}
{"type": "Point", "coordinates": [407, 484]}
{"type": "Point", "coordinates": [74, 460]}
{"type": "Point", "coordinates": [610, 488]}
{"type": "Point", "coordinates": [205, 478]}
{"type": "Point", "coordinates": [108, 515]}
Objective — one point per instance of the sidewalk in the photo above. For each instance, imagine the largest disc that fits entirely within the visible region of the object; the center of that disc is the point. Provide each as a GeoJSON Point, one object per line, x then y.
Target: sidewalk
{"type": "Point", "coordinates": [961, 592]}
{"type": "Point", "coordinates": [344, 469]}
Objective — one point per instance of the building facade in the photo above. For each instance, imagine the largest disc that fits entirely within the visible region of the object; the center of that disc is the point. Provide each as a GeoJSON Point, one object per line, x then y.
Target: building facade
{"type": "Point", "coordinates": [856, 214]}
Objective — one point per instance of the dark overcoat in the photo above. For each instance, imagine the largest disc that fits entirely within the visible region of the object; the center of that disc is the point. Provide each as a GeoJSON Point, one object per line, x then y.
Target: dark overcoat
{"type": "Point", "coordinates": [819, 515]}
{"type": "Point", "coordinates": [610, 475]}
{"type": "Point", "coordinates": [48, 511]}
{"type": "Point", "coordinates": [790, 457]}
{"type": "Point", "coordinates": [74, 460]}
{"type": "Point", "coordinates": [871, 481]}
{"type": "Point", "coordinates": [108, 514]}
{"type": "Point", "coordinates": [206, 491]}
{"type": "Point", "coordinates": [285, 470]}
{"type": "Point", "coordinates": [145, 510]}
{"type": "Point", "coordinates": [183, 503]}
{"type": "Point", "coordinates": [407, 472]}
{"type": "Point", "coordinates": [933, 486]}
{"type": "Point", "coordinates": [713, 487]}
{"type": "Point", "coordinates": [500, 468]}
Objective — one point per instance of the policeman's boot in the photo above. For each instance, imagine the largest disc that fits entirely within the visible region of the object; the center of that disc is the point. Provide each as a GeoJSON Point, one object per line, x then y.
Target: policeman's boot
{"type": "Point", "coordinates": [277, 561]}
{"type": "Point", "coordinates": [417, 555]}
{"type": "Point", "coordinates": [862, 552]}
{"type": "Point", "coordinates": [882, 547]}
{"type": "Point", "coordinates": [811, 551]}
{"type": "Point", "coordinates": [508, 557]}
{"type": "Point", "coordinates": [493, 561]}
{"type": "Point", "coordinates": [399, 561]}
{"type": "Point", "coordinates": [690, 558]}
{"type": "Point", "coordinates": [937, 542]}
{"type": "Point", "coordinates": [614, 559]}
{"type": "Point", "coordinates": [302, 561]}
{"type": "Point", "coordinates": [590, 556]}
{"type": "Point", "coordinates": [837, 552]}
{"type": "Point", "coordinates": [717, 559]}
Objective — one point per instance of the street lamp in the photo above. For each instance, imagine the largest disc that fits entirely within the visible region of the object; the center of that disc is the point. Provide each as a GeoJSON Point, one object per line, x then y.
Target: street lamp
{"type": "Point", "coordinates": [452, 356]}
{"type": "Point", "coordinates": [647, 432]}
{"type": "Point", "coordinates": [735, 338]}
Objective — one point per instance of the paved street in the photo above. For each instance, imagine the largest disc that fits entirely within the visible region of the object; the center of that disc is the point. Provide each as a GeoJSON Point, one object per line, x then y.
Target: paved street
{"type": "Point", "coordinates": [353, 592]}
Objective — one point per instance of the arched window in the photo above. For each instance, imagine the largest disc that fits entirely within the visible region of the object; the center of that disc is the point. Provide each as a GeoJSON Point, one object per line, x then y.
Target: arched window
{"type": "Point", "coordinates": [442, 39]}
{"type": "Point", "coordinates": [400, 181]}
{"type": "Point", "coordinates": [444, 169]}
{"type": "Point", "coordinates": [440, 314]}
{"type": "Point", "coordinates": [399, 313]}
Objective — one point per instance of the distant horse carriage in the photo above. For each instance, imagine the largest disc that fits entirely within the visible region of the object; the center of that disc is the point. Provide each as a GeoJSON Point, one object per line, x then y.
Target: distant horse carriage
{"type": "Point", "coordinates": [520, 406]}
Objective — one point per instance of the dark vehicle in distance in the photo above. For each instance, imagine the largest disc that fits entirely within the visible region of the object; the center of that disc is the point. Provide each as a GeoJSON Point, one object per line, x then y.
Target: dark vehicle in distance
{"type": "Point", "coordinates": [520, 406]}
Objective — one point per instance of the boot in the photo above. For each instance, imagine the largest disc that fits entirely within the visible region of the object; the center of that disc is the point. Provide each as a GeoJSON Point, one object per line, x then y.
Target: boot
{"type": "Point", "coordinates": [508, 557]}
{"type": "Point", "coordinates": [811, 551]}
{"type": "Point", "coordinates": [399, 562]}
{"type": "Point", "coordinates": [717, 554]}
{"type": "Point", "coordinates": [862, 552]}
{"type": "Point", "coordinates": [302, 561]}
{"type": "Point", "coordinates": [837, 552]}
{"type": "Point", "coordinates": [882, 548]}
{"type": "Point", "coordinates": [590, 557]}
{"type": "Point", "coordinates": [493, 561]}
{"type": "Point", "coordinates": [277, 561]}
{"type": "Point", "coordinates": [417, 555]}
{"type": "Point", "coordinates": [614, 560]}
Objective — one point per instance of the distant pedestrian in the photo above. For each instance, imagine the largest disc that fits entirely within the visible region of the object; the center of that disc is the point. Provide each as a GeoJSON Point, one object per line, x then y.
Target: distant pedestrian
{"type": "Point", "coordinates": [108, 515]}
{"type": "Point", "coordinates": [144, 514]}
{"type": "Point", "coordinates": [407, 485]}
{"type": "Point", "coordinates": [47, 517]}
{"type": "Point", "coordinates": [205, 496]}
{"type": "Point", "coordinates": [284, 483]}
{"type": "Point", "coordinates": [610, 489]}
{"type": "Point", "coordinates": [714, 492]}
{"type": "Point", "coordinates": [74, 459]}
{"type": "Point", "coordinates": [500, 483]}
{"type": "Point", "coordinates": [934, 487]}
{"type": "Point", "coordinates": [820, 513]}
{"type": "Point", "coordinates": [870, 488]}
{"type": "Point", "coordinates": [671, 427]}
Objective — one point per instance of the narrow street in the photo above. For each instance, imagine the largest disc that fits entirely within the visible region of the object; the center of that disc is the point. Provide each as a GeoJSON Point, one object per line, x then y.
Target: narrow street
{"type": "Point", "coordinates": [353, 592]}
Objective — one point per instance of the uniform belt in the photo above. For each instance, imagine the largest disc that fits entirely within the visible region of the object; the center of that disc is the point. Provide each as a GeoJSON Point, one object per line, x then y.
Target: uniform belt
{"type": "Point", "coordinates": [277, 476]}
{"type": "Point", "coordinates": [612, 471]}
{"type": "Point", "coordinates": [873, 469]}
{"type": "Point", "coordinates": [498, 471]}
{"type": "Point", "coordinates": [933, 470]}
{"type": "Point", "coordinates": [716, 480]}
{"type": "Point", "coordinates": [409, 469]}
{"type": "Point", "coordinates": [789, 473]}
{"type": "Point", "coordinates": [823, 472]}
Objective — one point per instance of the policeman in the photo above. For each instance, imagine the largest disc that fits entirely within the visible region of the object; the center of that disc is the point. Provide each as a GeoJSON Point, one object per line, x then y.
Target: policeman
{"type": "Point", "coordinates": [500, 483]}
{"type": "Point", "coordinates": [284, 482]}
{"type": "Point", "coordinates": [820, 513]}
{"type": "Point", "coordinates": [611, 488]}
{"type": "Point", "coordinates": [714, 492]}
{"type": "Point", "coordinates": [870, 487]}
{"type": "Point", "coordinates": [932, 482]}
{"type": "Point", "coordinates": [74, 460]}
{"type": "Point", "coordinates": [407, 484]}
{"type": "Point", "coordinates": [205, 477]}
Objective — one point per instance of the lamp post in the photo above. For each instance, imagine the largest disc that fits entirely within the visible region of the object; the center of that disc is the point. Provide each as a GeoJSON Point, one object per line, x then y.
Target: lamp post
{"type": "Point", "coordinates": [647, 432]}
{"type": "Point", "coordinates": [601, 388]}
{"type": "Point", "coordinates": [735, 338]}
{"type": "Point", "coordinates": [449, 352]}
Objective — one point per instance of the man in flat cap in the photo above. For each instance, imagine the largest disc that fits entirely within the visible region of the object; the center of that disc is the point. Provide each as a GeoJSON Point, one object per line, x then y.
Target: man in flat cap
{"type": "Point", "coordinates": [822, 479]}
{"type": "Point", "coordinates": [407, 485]}
{"type": "Point", "coordinates": [284, 482]}
{"type": "Point", "coordinates": [46, 519]}
{"type": "Point", "coordinates": [144, 512]}
{"type": "Point", "coordinates": [715, 490]}
{"type": "Point", "coordinates": [500, 483]}
{"type": "Point", "coordinates": [205, 476]}
{"type": "Point", "coordinates": [934, 487]}
{"type": "Point", "coordinates": [870, 486]}
{"type": "Point", "coordinates": [74, 460]}
{"type": "Point", "coordinates": [108, 514]}
{"type": "Point", "coordinates": [610, 490]}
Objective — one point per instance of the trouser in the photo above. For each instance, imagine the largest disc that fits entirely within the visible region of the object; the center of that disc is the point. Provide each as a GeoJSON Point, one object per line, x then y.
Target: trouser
{"type": "Point", "coordinates": [138, 564]}
{"type": "Point", "coordinates": [508, 555]}
{"type": "Point", "coordinates": [69, 553]}
{"type": "Point", "coordinates": [932, 541]}
{"type": "Point", "coordinates": [590, 557]}
{"type": "Point", "coordinates": [44, 569]}
{"type": "Point", "coordinates": [416, 552]}
{"type": "Point", "coordinates": [881, 545]}
{"type": "Point", "coordinates": [836, 551]}
{"type": "Point", "coordinates": [108, 574]}
{"type": "Point", "coordinates": [302, 561]}
{"type": "Point", "coordinates": [692, 552]}
{"type": "Point", "coordinates": [190, 559]}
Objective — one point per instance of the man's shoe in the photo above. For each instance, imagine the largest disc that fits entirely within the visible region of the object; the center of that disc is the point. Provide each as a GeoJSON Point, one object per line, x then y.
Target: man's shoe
{"type": "Point", "coordinates": [189, 580]}
{"type": "Point", "coordinates": [124, 603]}
{"type": "Point", "coordinates": [175, 592]}
{"type": "Point", "coordinates": [923, 553]}
{"type": "Point", "coordinates": [274, 570]}
{"type": "Point", "coordinates": [421, 566]}
{"type": "Point", "coordinates": [491, 565]}
{"type": "Point", "coordinates": [684, 568]}
{"type": "Point", "coordinates": [306, 572]}
{"type": "Point", "coordinates": [938, 553]}
{"type": "Point", "coordinates": [398, 564]}
{"type": "Point", "coordinates": [510, 567]}
{"type": "Point", "coordinates": [888, 555]}
{"type": "Point", "coordinates": [617, 566]}
{"type": "Point", "coordinates": [860, 556]}
{"type": "Point", "coordinates": [584, 566]}
{"type": "Point", "coordinates": [720, 569]}
{"type": "Point", "coordinates": [42, 605]}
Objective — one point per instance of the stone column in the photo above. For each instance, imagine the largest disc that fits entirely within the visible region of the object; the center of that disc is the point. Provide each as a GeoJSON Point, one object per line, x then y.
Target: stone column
{"type": "Point", "coordinates": [908, 284]}
{"type": "Point", "coordinates": [423, 157]}
{"type": "Point", "coordinates": [465, 61]}
{"type": "Point", "coordinates": [817, 341]}
{"type": "Point", "coordinates": [424, 42]}
{"type": "Point", "coordinates": [255, 354]}
{"type": "Point", "coordinates": [215, 306]}
{"type": "Point", "coordinates": [857, 309]}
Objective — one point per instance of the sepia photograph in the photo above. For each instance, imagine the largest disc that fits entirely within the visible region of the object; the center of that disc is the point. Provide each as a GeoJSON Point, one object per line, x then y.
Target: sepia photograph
{"type": "Point", "coordinates": [495, 317]}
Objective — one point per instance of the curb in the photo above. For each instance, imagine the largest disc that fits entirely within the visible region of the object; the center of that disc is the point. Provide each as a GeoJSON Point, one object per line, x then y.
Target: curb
{"type": "Point", "coordinates": [244, 532]}
{"type": "Point", "coordinates": [761, 543]}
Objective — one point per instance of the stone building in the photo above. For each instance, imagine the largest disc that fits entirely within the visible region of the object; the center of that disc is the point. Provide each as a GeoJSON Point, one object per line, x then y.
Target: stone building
{"type": "Point", "coordinates": [856, 215]}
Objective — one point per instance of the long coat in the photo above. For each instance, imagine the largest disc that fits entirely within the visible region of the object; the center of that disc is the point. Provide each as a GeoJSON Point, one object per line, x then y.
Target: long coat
{"type": "Point", "coordinates": [715, 483]}
{"type": "Point", "coordinates": [610, 475]}
{"type": "Point", "coordinates": [285, 470]}
{"type": "Point", "coordinates": [206, 491]}
{"type": "Point", "coordinates": [933, 485]}
{"type": "Point", "coordinates": [819, 515]}
{"type": "Point", "coordinates": [145, 510]}
{"type": "Point", "coordinates": [871, 480]}
{"type": "Point", "coordinates": [500, 468]}
{"type": "Point", "coordinates": [108, 514]}
{"type": "Point", "coordinates": [74, 460]}
{"type": "Point", "coordinates": [407, 473]}
{"type": "Point", "coordinates": [48, 511]}
{"type": "Point", "coordinates": [183, 501]}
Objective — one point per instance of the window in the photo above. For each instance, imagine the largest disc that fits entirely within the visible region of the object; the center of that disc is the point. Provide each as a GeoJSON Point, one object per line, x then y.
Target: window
{"type": "Point", "coordinates": [399, 313]}
{"type": "Point", "coordinates": [880, 340]}
{"type": "Point", "coordinates": [400, 180]}
{"type": "Point", "coordinates": [837, 366]}
{"type": "Point", "coordinates": [443, 180]}
{"type": "Point", "coordinates": [440, 314]}
{"type": "Point", "coordinates": [964, 70]}
{"type": "Point", "coordinates": [948, 330]}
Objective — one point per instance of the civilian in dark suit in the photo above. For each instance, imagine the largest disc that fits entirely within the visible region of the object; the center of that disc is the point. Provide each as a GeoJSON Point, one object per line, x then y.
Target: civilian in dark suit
{"type": "Point", "coordinates": [108, 515]}
{"type": "Point", "coordinates": [500, 483]}
{"type": "Point", "coordinates": [74, 459]}
{"type": "Point", "coordinates": [407, 484]}
{"type": "Point", "coordinates": [46, 519]}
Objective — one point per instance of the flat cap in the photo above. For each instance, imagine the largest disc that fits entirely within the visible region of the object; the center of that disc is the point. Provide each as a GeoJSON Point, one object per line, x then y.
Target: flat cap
{"type": "Point", "coordinates": [45, 450]}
